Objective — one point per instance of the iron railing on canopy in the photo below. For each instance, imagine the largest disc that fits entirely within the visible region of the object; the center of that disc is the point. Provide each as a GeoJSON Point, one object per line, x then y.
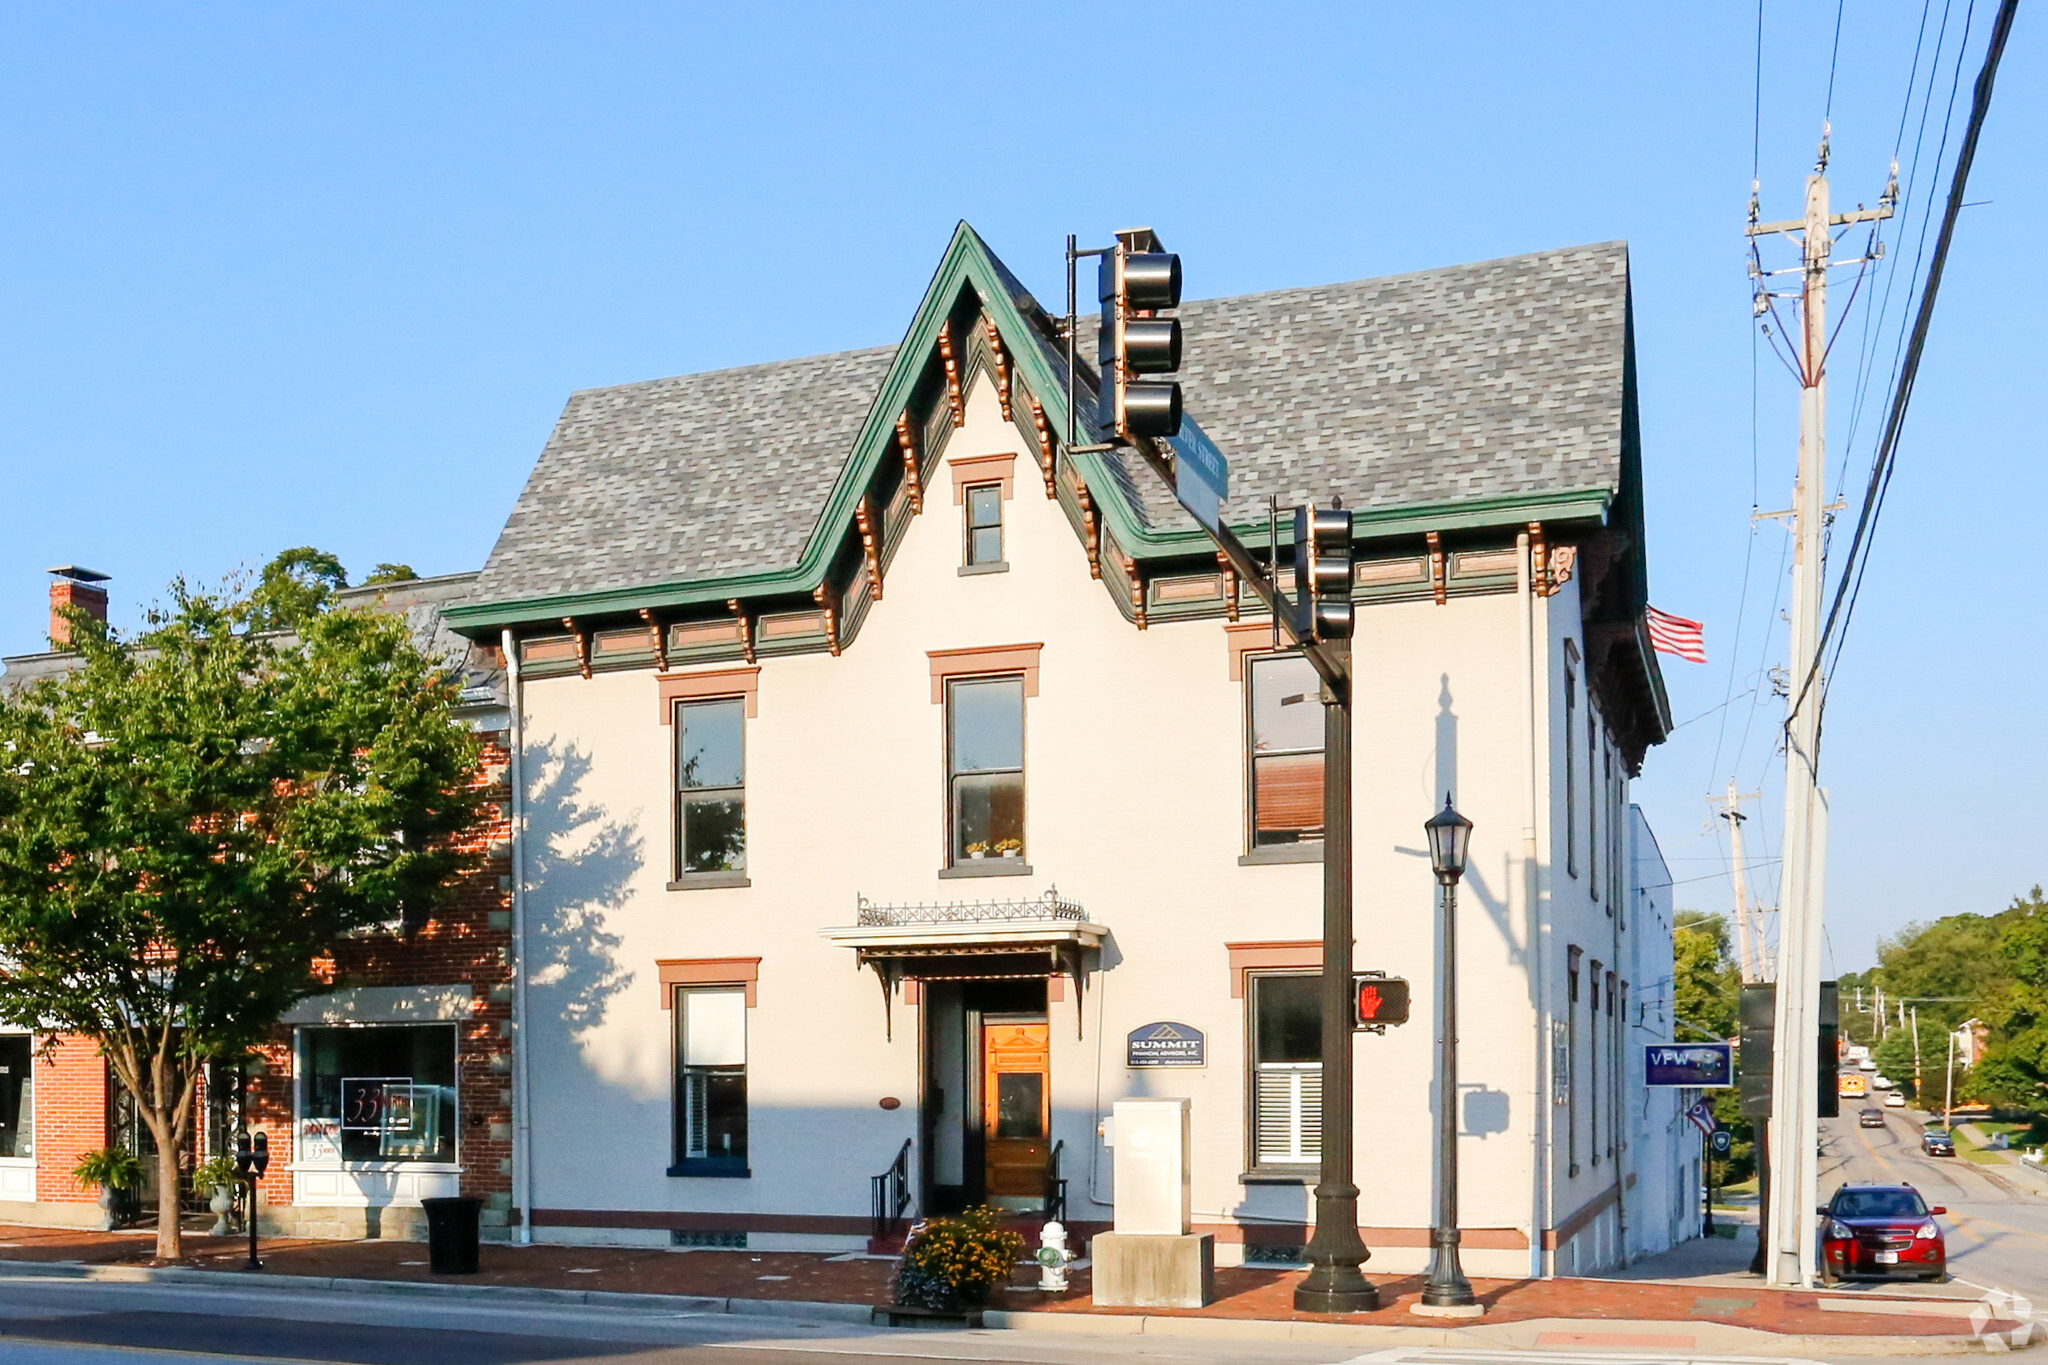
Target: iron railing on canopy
{"type": "Point", "coordinates": [1048, 906]}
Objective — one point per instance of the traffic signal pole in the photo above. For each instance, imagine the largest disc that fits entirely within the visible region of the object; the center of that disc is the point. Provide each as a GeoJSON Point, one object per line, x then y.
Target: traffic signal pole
{"type": "Point", "coordinates": [1136, 340]}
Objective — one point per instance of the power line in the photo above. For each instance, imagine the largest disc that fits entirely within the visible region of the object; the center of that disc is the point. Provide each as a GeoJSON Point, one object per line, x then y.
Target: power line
{"type": "Point", "coordinates": [1849, 589]}
{"type": "Point", "coordinates": [1828, 110]}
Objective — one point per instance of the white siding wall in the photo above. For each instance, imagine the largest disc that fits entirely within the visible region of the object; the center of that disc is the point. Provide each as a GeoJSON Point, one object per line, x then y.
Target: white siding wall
{"type": "Point", "coordinates": [1134, 773]}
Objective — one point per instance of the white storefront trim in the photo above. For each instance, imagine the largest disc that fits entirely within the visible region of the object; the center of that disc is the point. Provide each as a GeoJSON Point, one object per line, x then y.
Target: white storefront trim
{"type": "Point", "coordinates": [386, 1005]}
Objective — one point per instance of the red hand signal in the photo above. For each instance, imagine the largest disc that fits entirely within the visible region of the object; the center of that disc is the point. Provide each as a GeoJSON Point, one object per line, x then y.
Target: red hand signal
{"type": "Point", "coordinates": [1369, 1002]}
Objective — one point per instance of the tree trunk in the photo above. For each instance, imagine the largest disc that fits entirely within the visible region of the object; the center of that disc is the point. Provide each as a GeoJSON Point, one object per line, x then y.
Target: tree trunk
{"type": "Point", "coordinates": [170, 1237]}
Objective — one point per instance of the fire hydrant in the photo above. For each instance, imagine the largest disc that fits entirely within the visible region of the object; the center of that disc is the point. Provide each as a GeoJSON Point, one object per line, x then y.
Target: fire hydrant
{"type": "Point", "coordinates": [1053, 1257]}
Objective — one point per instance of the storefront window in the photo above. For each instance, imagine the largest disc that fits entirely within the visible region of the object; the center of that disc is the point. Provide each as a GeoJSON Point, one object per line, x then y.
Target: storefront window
{"type": "Point", "coordinates": [711, 1084]}
{"type": "Point", "coordinates": [379, 1092]}
{"type": "Point", "coordinates": [17, 1097]}
{"type": "Point", "coordinates": [1287, 1071]}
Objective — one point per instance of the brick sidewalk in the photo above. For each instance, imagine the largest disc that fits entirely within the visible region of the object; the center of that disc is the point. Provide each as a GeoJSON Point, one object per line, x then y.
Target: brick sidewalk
{"type": "Point", "coordinates": [1243, 1293]}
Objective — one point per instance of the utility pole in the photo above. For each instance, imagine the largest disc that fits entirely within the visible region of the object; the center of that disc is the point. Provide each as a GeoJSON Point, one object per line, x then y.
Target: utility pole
{"type": "Point", "coordinates": [1748, 954]}
{"type": "Point", "coordinates": [1948, 1096]}
{"type": "Point", "coordinates": [1916, 1052]}
{"type": "Point", "coordinates": [1795, 1121]}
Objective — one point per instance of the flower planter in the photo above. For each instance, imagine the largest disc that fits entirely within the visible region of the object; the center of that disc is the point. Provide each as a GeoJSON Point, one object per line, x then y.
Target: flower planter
{"type": "Point", "coordinates": [222, 1204]}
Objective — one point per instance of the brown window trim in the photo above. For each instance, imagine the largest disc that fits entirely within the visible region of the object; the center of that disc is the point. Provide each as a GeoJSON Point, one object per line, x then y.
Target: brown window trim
{"type": "Point", "coordinates": [983, 661]}
{"type": "Point", "coordinates": [708, 971]}
{"type": "Point", "coordinates": [1271, 955]}
{"type": "Point", "coordinates": [723, 682]}
{"type": "Point", "coordinates": [969, 470]}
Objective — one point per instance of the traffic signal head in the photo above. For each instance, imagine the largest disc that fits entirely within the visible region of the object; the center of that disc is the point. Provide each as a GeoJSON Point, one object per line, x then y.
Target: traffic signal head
{"type": "Point", "coordinates": [1134, 286]}
{"type": "Point", "coordinates": [1322, 561]}
{"type": "Point", "coordinates": [1380, 1000]}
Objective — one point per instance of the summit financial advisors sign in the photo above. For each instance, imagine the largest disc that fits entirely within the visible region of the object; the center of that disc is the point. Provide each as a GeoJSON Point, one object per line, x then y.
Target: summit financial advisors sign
{"type": "Point", "coordinates": [1168, 1044]}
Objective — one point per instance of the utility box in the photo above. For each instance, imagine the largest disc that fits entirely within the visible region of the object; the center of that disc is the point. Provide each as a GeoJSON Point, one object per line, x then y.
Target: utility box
{"type": "Point", "coordinates": [1151, 1260]}
{"type": "Point", "coordinates": [1151, 1166]}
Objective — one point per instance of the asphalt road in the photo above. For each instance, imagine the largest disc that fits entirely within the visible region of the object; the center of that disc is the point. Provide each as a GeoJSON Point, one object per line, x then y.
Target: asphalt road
{"type": "Point", "coordinates": [1996, 1227]}
{"type": "Point", "coordinates": [71, 1322]}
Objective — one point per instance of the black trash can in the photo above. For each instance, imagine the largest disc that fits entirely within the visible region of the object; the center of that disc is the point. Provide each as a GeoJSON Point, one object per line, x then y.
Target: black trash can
{"type": "Point", "coordinates": [452, 1234]}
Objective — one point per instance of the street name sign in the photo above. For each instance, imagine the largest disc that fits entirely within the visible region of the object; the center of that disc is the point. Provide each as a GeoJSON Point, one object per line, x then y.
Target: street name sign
{"type": "Point", "coordinates": [1201, 474]}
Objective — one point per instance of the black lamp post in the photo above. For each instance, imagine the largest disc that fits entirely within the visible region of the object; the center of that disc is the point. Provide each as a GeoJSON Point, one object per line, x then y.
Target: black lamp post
{"type": "Point", "coordinates": [252, 1159]}
{"type": "Point", "coordinates": [1445, 1286]}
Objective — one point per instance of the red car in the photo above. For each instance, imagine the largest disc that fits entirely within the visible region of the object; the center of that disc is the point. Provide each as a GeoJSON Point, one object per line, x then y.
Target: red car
{"type": "Point", "coordinates": [1886, 1231]}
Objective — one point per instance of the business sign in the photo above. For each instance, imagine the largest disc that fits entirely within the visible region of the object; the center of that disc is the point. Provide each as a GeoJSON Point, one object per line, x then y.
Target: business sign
{"type": "Point", "coordinates": [1722, 1141]}
{"type": "Point", "coordinates": [1201, 475]}
{"type": "Point", "coordinates": [1167, 1044]}
{"type": "Point", "coordinates": [1702, 1065]}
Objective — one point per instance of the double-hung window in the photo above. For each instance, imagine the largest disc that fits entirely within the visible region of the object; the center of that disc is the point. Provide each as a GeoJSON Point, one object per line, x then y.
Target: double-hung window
{"type": "Point", "coordinates": [1285, 732]}
{"type": "Point", "coordinates": [984, 547]}
{"type": "Point", "coordinates": [711, 787]}
{"type": "Point", "coordinates": [711, 1080]}
{"type": "Point", "coordinates": [985, 773]}
{"type": "Point", "coordinates": [1287, 1071]}
{"type": "Point", "coordinates": [1571, 771]}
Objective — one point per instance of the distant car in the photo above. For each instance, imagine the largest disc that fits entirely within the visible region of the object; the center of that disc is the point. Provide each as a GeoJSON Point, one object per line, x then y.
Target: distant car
{"type": "Point", "coordinates": [1937, 1142]}
{"type": "Point", "coordinates": [1880, 1082]}
{"type": "Point", "coordinates": [1867, 1064]}
{"type": "Point", "coordinates": [1885, 1231]}
{"type": "Point", "coordinates": [1870, 1118]}
{"type": "Point", "coordinates": [1895, 1099]}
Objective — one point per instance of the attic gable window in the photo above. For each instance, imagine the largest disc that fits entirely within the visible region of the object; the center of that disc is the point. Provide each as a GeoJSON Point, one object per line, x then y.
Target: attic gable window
{"type": "Point", "coordinates": [984, 529]}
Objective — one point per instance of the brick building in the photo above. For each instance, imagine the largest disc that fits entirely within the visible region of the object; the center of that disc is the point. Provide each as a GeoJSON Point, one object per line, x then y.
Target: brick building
{"type": "Point", "coordinates": [395, 1085]}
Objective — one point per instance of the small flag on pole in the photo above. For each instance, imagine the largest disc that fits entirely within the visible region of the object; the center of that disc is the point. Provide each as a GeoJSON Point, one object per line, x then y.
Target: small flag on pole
{"type": "Point", "coordinates": [1675, 635]}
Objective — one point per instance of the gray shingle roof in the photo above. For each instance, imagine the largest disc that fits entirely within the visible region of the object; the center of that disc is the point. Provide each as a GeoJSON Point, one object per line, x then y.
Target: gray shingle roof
{"type": "Point", "coordinates": [1473, 381]}
{"type": "Point", "coordinates": [701, 475]}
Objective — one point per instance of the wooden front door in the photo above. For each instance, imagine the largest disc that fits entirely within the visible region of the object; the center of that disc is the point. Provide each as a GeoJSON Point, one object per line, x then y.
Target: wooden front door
{"type": "Point", "coordinates": [1016, 1111]}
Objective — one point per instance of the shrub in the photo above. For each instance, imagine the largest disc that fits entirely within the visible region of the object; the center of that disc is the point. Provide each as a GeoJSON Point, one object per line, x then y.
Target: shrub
{"type": "Point", "coordinates": [110, 1168]}
{"type": "Point", "coordinates": [956, 1262]}
{"type": "Point", "coordinates": [217, 1174]}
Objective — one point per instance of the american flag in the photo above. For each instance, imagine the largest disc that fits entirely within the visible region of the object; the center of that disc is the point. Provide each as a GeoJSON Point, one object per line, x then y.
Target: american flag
{"type": "Point", "coordinates": [1675, 635]}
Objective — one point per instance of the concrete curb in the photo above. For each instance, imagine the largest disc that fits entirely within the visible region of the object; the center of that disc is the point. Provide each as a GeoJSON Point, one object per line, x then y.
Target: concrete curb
{"type": "Point", "coordinates": [1708, 1337]}
{"type": "Point", "coordinates": [799, 1309]}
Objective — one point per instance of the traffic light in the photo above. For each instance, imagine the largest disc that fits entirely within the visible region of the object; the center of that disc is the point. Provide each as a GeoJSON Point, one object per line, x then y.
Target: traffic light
{"type": "Point", "coordinates": [1322, 579]}
{"type": "Point", "coordinates": [1137, 281]}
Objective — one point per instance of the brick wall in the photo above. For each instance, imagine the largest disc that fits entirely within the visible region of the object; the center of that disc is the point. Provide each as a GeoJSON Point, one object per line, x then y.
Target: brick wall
{"type": "Point", "coordinates": [70, 1117]}
{"type": "Point", "coordinates": [468, 943]}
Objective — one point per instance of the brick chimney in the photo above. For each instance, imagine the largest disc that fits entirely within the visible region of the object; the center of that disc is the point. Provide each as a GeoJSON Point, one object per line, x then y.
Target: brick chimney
{"type": "Point", "coordinates": [74, 587]}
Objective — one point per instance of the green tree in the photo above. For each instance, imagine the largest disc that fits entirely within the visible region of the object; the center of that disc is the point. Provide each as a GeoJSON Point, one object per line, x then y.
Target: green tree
{"type": "Point", "coordinates": [1706, 988]}
{"type": "Point", "coordinates": [190, 817]}
{"type": "Point", "coordinates": [389, 573]}
{"type": "Point", "coordinates": [2015, 1067]}
{"type": "Point", "coordinates": [1706, 992]}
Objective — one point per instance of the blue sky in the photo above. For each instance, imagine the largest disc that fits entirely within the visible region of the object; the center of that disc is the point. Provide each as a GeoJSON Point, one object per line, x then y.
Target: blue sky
{"type": "Point", "coordinates": [279, 275]}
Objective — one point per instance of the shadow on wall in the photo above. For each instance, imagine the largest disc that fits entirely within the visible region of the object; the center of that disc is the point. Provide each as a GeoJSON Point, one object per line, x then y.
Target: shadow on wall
{"type": "Point", "coordinates": [578, 863]}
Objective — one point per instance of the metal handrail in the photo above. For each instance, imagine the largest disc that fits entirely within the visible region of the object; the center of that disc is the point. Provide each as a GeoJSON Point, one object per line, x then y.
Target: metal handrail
{"type": "Point", "coordinates": [1055, 1185]}
{"type": "Point", "coordinates": [889, 1193]}
{"type": "Point", "coordinates": [1048, 906]}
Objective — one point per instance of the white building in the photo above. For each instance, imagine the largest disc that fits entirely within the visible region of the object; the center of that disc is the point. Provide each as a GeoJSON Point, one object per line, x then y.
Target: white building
{"type": "Point", "coordinates": [891, 779]}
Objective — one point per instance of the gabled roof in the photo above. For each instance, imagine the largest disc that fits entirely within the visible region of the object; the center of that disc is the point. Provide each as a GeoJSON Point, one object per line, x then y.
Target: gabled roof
{"type": "Point", "coordinates": [1473, 395]}
{"type": "Point", "coordinates": [701, 476]}
{"type": "Point", "coordinates": [1476, 384]}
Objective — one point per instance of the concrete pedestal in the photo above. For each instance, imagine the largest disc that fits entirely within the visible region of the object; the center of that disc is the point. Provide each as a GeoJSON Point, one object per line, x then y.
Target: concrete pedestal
{"type": "Point", "coordinates": [1151, 1270]}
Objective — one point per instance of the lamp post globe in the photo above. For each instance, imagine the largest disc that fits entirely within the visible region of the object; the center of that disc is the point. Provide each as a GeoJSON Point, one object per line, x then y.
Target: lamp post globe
{"type": "Point", "coordinates": [1450, 838]}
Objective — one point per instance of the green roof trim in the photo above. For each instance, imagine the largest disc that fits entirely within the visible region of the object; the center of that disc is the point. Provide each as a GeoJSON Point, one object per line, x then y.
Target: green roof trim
{"type": "Point", "coordinates": [969, 264]}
